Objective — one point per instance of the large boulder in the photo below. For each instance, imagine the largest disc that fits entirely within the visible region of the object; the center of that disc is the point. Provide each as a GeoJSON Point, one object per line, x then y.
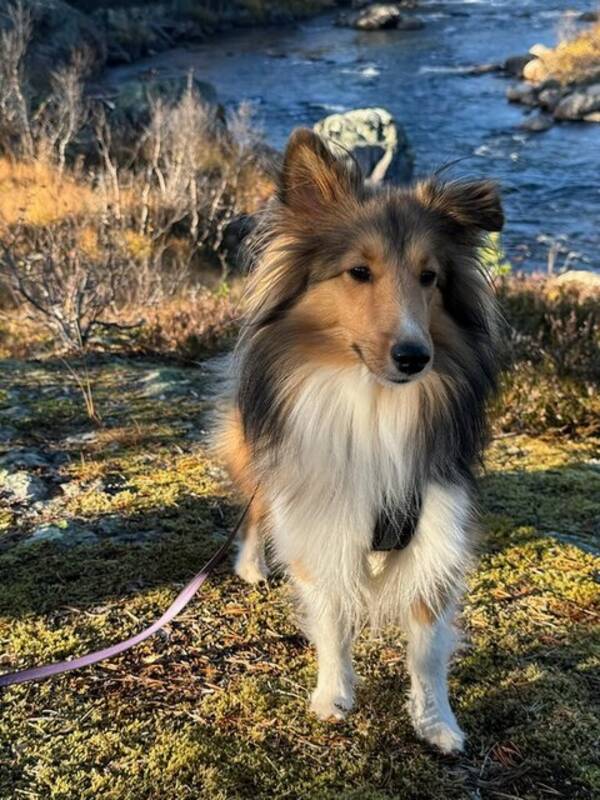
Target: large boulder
{"type": "Point", "coordinates": [378, 17]}
{"type": "Point", "coordinates": [58, 31]}
{"type": "Point", "coordinates": [580, 104]}
{"type": "Point", "coordinates": [535, 71]}
{"type": "Point", "coordinates": [381, 16]}
{"type": "Point", "coordinates": [372, 138]}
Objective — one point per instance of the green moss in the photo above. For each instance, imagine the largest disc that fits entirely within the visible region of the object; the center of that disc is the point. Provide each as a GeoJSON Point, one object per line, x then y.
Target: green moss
{"type": "Point", "coordinates": [216, 707]}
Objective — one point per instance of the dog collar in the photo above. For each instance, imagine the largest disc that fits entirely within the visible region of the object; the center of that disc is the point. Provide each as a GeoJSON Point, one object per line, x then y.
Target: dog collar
{"type": "Point", "coordinates": [395, 528]}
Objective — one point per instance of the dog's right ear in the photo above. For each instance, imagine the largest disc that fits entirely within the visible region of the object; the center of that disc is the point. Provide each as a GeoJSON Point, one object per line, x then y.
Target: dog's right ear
{"type": "Point", "coordinates": [312, 176]}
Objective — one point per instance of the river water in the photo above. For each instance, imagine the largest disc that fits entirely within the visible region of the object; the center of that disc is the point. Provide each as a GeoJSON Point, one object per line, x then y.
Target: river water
{"type": "Point", "coordinates": [296, 75]}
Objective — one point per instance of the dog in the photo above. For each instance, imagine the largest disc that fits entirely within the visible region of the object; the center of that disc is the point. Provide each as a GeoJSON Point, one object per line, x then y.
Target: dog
{"type": "Point", "coordinates": [367, 353]}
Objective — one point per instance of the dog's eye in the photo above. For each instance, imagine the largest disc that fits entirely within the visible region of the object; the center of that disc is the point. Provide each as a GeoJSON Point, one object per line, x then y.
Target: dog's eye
{"type": "Point", "coordinates": [360, 274]}
{"type": "Point", "coordinates": [427, 277]}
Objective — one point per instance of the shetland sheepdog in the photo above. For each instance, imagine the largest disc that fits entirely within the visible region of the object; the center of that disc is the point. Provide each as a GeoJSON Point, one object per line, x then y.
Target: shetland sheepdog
{"type": "Point", "coordinates": [367, 353]}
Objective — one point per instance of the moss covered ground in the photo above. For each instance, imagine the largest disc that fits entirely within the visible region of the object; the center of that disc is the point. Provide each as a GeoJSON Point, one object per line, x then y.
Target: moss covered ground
{"type": "Point", "coordinates": [215, 707]}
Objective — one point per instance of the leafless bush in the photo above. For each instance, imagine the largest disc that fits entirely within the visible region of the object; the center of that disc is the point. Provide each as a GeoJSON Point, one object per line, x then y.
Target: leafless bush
{"type": "Point", "coordinates": [188, 177]}
{"type": "Point", "coordinates": [15, 111]}
{"type": "Point", "coordinates": [66, 288]}
{"type": "Point", "coordinates": [46, 131]}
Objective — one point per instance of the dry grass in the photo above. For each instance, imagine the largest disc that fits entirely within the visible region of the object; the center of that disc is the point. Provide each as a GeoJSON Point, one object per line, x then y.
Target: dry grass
{"type": "Point", "coordinates": [36, 193]}
{"type": "Point", "coordinates": [575, 60]}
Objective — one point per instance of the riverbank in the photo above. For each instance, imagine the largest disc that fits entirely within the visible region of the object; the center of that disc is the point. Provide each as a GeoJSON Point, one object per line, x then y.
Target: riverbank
{"type": "Point", "coordinates": [563, 81]}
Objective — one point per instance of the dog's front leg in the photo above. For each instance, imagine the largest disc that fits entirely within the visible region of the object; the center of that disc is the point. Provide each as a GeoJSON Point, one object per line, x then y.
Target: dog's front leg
{"type": "Point", "coordinates": [430, 644]}
{"type": "Point", "coordinates": [328, 626]}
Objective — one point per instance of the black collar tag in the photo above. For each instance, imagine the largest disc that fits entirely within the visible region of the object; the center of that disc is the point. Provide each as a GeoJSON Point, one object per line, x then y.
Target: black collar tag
{"type": "Point", "coordinates": [395, 528]}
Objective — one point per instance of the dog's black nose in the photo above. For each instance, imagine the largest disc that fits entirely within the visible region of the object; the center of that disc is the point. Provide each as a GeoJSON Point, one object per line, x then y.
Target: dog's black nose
{"type": "Point", "coordinates": [410, 357]}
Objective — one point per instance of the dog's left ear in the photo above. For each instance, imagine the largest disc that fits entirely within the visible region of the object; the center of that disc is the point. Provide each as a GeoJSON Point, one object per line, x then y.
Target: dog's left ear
{"type": "Point", "coordinates": [311, 176]}
{"type": "Point", "coordinates": [470, 204]}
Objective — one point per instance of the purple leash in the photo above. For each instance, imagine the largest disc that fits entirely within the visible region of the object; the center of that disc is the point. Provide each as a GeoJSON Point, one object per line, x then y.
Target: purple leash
{"type": "Point", "coordinates": [180, 602]}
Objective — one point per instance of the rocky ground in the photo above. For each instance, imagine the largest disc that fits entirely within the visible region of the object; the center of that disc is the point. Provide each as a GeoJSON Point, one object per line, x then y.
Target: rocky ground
{"type": "Point", "coordinates": [103, 523]}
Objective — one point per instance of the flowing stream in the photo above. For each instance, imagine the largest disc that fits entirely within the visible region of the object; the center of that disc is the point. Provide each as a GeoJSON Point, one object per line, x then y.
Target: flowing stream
{"type": "Point", "coordinates": [296, 75]}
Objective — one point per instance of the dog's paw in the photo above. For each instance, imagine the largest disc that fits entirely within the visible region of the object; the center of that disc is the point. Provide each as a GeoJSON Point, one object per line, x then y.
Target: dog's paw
{"type": "Point", "coordinates": [446, 736]}
{"type": "Point", "coordinates": [251, 570]}
{"type": "Point", "coordinates": [331, 708]}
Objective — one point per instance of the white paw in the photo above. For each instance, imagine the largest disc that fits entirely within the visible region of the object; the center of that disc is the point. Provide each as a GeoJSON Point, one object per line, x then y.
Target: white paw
{"type": "Point", "coordinates": [438, 726]}
{"type": "Point", "coordinates": [251, 570]}
{"type": "Point", "coordinates": [446, 737]}
{"type": "Point", "coordinates": [328, 707]}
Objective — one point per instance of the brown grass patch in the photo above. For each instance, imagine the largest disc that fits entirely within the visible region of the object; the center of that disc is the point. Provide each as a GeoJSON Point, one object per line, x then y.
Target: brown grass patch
{"type": "Point", "coordinates": [37, 194]}
{"type": "Point", "coordinates": [576, 59]}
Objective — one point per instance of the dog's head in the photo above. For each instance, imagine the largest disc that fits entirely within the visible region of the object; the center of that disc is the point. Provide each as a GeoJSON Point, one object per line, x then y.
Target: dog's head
{"type": "Point", "coordinates": [374, 276]}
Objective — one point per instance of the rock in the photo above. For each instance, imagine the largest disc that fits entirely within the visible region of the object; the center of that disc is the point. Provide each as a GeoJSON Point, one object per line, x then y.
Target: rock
{"type": "Point", "coordinates": [522, 93]}
{"type": "Point", "coordinates": [483, 69]}
{"type": "Point", "coordinates": [46, 533]}
{"type": "Point", "coordinates": [374, 139]}
{"type": "Point", "coordinates": [589, 16]}
{"type": "Point", "coordinates": [539, 50]}
{"type": "Point", "coordinates": [25, 459]}
{"type": "Point", "coordinates": [21, 487]}
{"type": "Point", "coordinates": [377, 17]}
{"type": "Point", "coordinates": [537, 123]}
{"type": "Point", "coordinates": [7, 434]}
{"type": "Point", "coordinates": [78, 439]}
{"type": "Point", "coordinates": [579, 104]}
{"type": "Point", "coordinates": [65, 533]}
{"type": "Point", "coordinates": [535, 71]}
{"type": "Point", "coordinates": [549, 98]}
{"type": "Point", "coordinates": [164, 382]}
{"type": "Point", "coordinates": [514, 64]}
{"type": "Point", "coordinates": [593, 117]}
{"type": "Point", "coordinates": [59, 30]}
{"type": "Point", "coordinates": [134, 98]}
{"type": "Point", "coordinates": [142, 29]}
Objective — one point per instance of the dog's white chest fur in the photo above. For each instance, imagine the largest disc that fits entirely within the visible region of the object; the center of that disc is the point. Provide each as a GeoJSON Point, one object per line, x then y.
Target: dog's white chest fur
{"type": "Point", "coordinates": [350, 447]}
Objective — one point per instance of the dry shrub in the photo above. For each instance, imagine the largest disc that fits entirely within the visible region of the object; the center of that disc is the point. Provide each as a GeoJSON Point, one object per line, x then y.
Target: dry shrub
{"type": "Point", "coordinates": [554, 377]}
{"type": "Point", "coordinates": [575, 59]}
{"type": "Point", "coordinates": [35, 193]}
{"type": "Point", "coordinates": [190, 328]}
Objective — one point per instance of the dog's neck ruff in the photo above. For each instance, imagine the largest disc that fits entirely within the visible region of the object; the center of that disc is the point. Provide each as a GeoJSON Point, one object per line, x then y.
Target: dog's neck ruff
{"type": "Point", "coordinates": [361, 440]}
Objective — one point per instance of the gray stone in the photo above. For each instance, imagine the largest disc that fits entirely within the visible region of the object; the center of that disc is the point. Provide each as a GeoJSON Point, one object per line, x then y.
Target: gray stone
{"type": "Point", "coordinates": [67, 534]}
{"type": "Point", "coordinates": [21, 487]}
{"type": "Point", "coordinates": [579, 104]}
{"type": "Point", "coordinates": [537, 123]}
{"type": "Point", "coordinates": [549, 98]}
{"type": "Point", "coordinates": [16, 412]}
{"type": "Point", "coordinates": [379, 16]}
{"type": "Point", "coordinates": [522, 93]}
{"type": "Point", "coordinates": [46, 533]}
{"type": "Point", "coordinates": [7, 434]}
{"type": "Point", "coordinates": [163, 382]}
{"type": "Point", "coordinates": [78, 439]}
{"type": "Point", "coordinates": [514, 65]}
{"type": "Point", "coordinates": [371, 135]}
{"type": "Point", "coordinates": [24, 459]}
